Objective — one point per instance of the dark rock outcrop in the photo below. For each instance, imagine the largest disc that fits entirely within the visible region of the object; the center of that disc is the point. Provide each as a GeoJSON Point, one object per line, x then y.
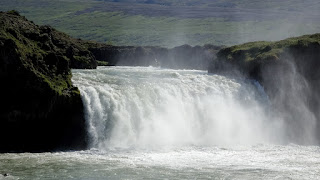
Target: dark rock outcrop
{"type": "Point", "coordinates": [40, 108]}
{"type": "Point", "coordinates": [289, 72]}
{"type": "Point", "coordinates": [182, 57]}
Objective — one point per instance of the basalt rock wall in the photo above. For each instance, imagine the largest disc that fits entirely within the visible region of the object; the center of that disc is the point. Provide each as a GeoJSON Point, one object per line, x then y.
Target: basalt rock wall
{"type": "Point", "coordinates": [40, 108]}
{"type": "Point", "coordinates": [289, 72]}
{"type": "Point", "coordinates": [182, 57]}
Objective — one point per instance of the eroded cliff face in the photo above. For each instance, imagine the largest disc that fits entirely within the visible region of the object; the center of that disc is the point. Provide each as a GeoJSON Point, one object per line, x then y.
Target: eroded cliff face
{"type": "Point", "coordinates": [40, 108]}
{"type": "Point", "coordinates": [182, 57]}
{"type": "Point", "coordinates": [289, 72]}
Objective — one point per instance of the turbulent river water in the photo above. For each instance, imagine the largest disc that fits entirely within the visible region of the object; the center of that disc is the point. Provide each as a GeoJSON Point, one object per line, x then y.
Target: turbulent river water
{"type": "Point", "coordinates": [152, 123]}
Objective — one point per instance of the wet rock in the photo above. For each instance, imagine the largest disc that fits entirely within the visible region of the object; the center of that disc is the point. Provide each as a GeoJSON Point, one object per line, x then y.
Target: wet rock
{"type": "Point", "coordinates": [182, 57]}
{"type": "Point", "coordinates": [40, 108]}
{"type": "Point", "coordinates": [288, 71]}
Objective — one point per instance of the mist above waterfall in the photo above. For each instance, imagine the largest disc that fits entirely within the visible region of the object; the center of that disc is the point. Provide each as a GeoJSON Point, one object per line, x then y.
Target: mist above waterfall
{"type": "Point", "coordinates": [292, 98]}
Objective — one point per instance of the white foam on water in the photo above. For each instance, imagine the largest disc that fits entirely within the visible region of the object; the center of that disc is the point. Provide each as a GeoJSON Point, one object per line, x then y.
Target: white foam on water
{"type": "Point", "coordinates": [260, 161]}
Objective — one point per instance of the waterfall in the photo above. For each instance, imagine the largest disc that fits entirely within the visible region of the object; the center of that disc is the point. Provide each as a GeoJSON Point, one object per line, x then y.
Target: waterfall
{"type": "Point", "coordinates": [146, 107]}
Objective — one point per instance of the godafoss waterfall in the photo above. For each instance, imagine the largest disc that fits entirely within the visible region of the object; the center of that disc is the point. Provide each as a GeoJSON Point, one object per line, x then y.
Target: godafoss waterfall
{"type": "Point", "coordinates": [153, 123]}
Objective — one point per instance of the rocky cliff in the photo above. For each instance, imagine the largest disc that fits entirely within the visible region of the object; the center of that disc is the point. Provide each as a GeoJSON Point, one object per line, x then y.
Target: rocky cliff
{"type": "Point", "coordinates": [182, 57]}
{"type": "Point", "coordinates": [40, 108]}
{"type": "Point", "coordinates": [288, 71]}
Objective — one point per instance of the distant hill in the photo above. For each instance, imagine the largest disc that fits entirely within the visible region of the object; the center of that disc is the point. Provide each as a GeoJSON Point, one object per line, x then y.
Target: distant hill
{"type": "Point", "coordinates": [290, 4]}
{"type": "Point", "coordinates": [171, 23]}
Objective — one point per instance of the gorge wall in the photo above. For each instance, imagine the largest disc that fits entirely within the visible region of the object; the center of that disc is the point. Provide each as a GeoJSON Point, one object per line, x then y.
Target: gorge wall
{"type": "Point", "coordinates": [40, 108]}
{"type": "Point", "coordinates": [181, 57]}
{"type": "Point", "coordinates": [288, 71]}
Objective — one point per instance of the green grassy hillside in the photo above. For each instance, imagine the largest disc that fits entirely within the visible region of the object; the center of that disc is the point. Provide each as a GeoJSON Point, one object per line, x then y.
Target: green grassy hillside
{"type": "Point", "coordinates": [172, 23]}
{"type": "Point", "coordinates": [264, 50]}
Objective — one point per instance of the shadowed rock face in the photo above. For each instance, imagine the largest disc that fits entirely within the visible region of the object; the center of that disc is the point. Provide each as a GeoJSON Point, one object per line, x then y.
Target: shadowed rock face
{"type": "Point", "coordinates": [287, 69]}
{"type": "Point", "coordinates": [182, 57]}
{"type": "Point", "coordinates": [40, 108]}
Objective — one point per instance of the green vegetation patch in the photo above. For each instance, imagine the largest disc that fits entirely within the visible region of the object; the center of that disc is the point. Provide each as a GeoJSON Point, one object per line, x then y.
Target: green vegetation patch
{"type": "Point", "coordinates": [263, 50]}
{"type": "Point", "coordinates": [102, 63]}
{"type": "Point", "coordinates": [42, 51]}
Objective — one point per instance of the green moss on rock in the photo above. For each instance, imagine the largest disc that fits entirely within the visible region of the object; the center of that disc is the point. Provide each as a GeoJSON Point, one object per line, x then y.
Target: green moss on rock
{"type": "Point", "coordinates": [102, 63]}
{"type": "Point", "coordinates": [42, 110]}
{"type": "Point", "coordinates": [250, 57]}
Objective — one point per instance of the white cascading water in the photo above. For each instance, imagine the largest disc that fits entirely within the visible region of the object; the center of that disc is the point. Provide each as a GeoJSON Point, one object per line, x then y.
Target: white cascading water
{"type": "Point", "coordinates": [145, 107]}
{"type": "Point", "coordinates": [152, 123]}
